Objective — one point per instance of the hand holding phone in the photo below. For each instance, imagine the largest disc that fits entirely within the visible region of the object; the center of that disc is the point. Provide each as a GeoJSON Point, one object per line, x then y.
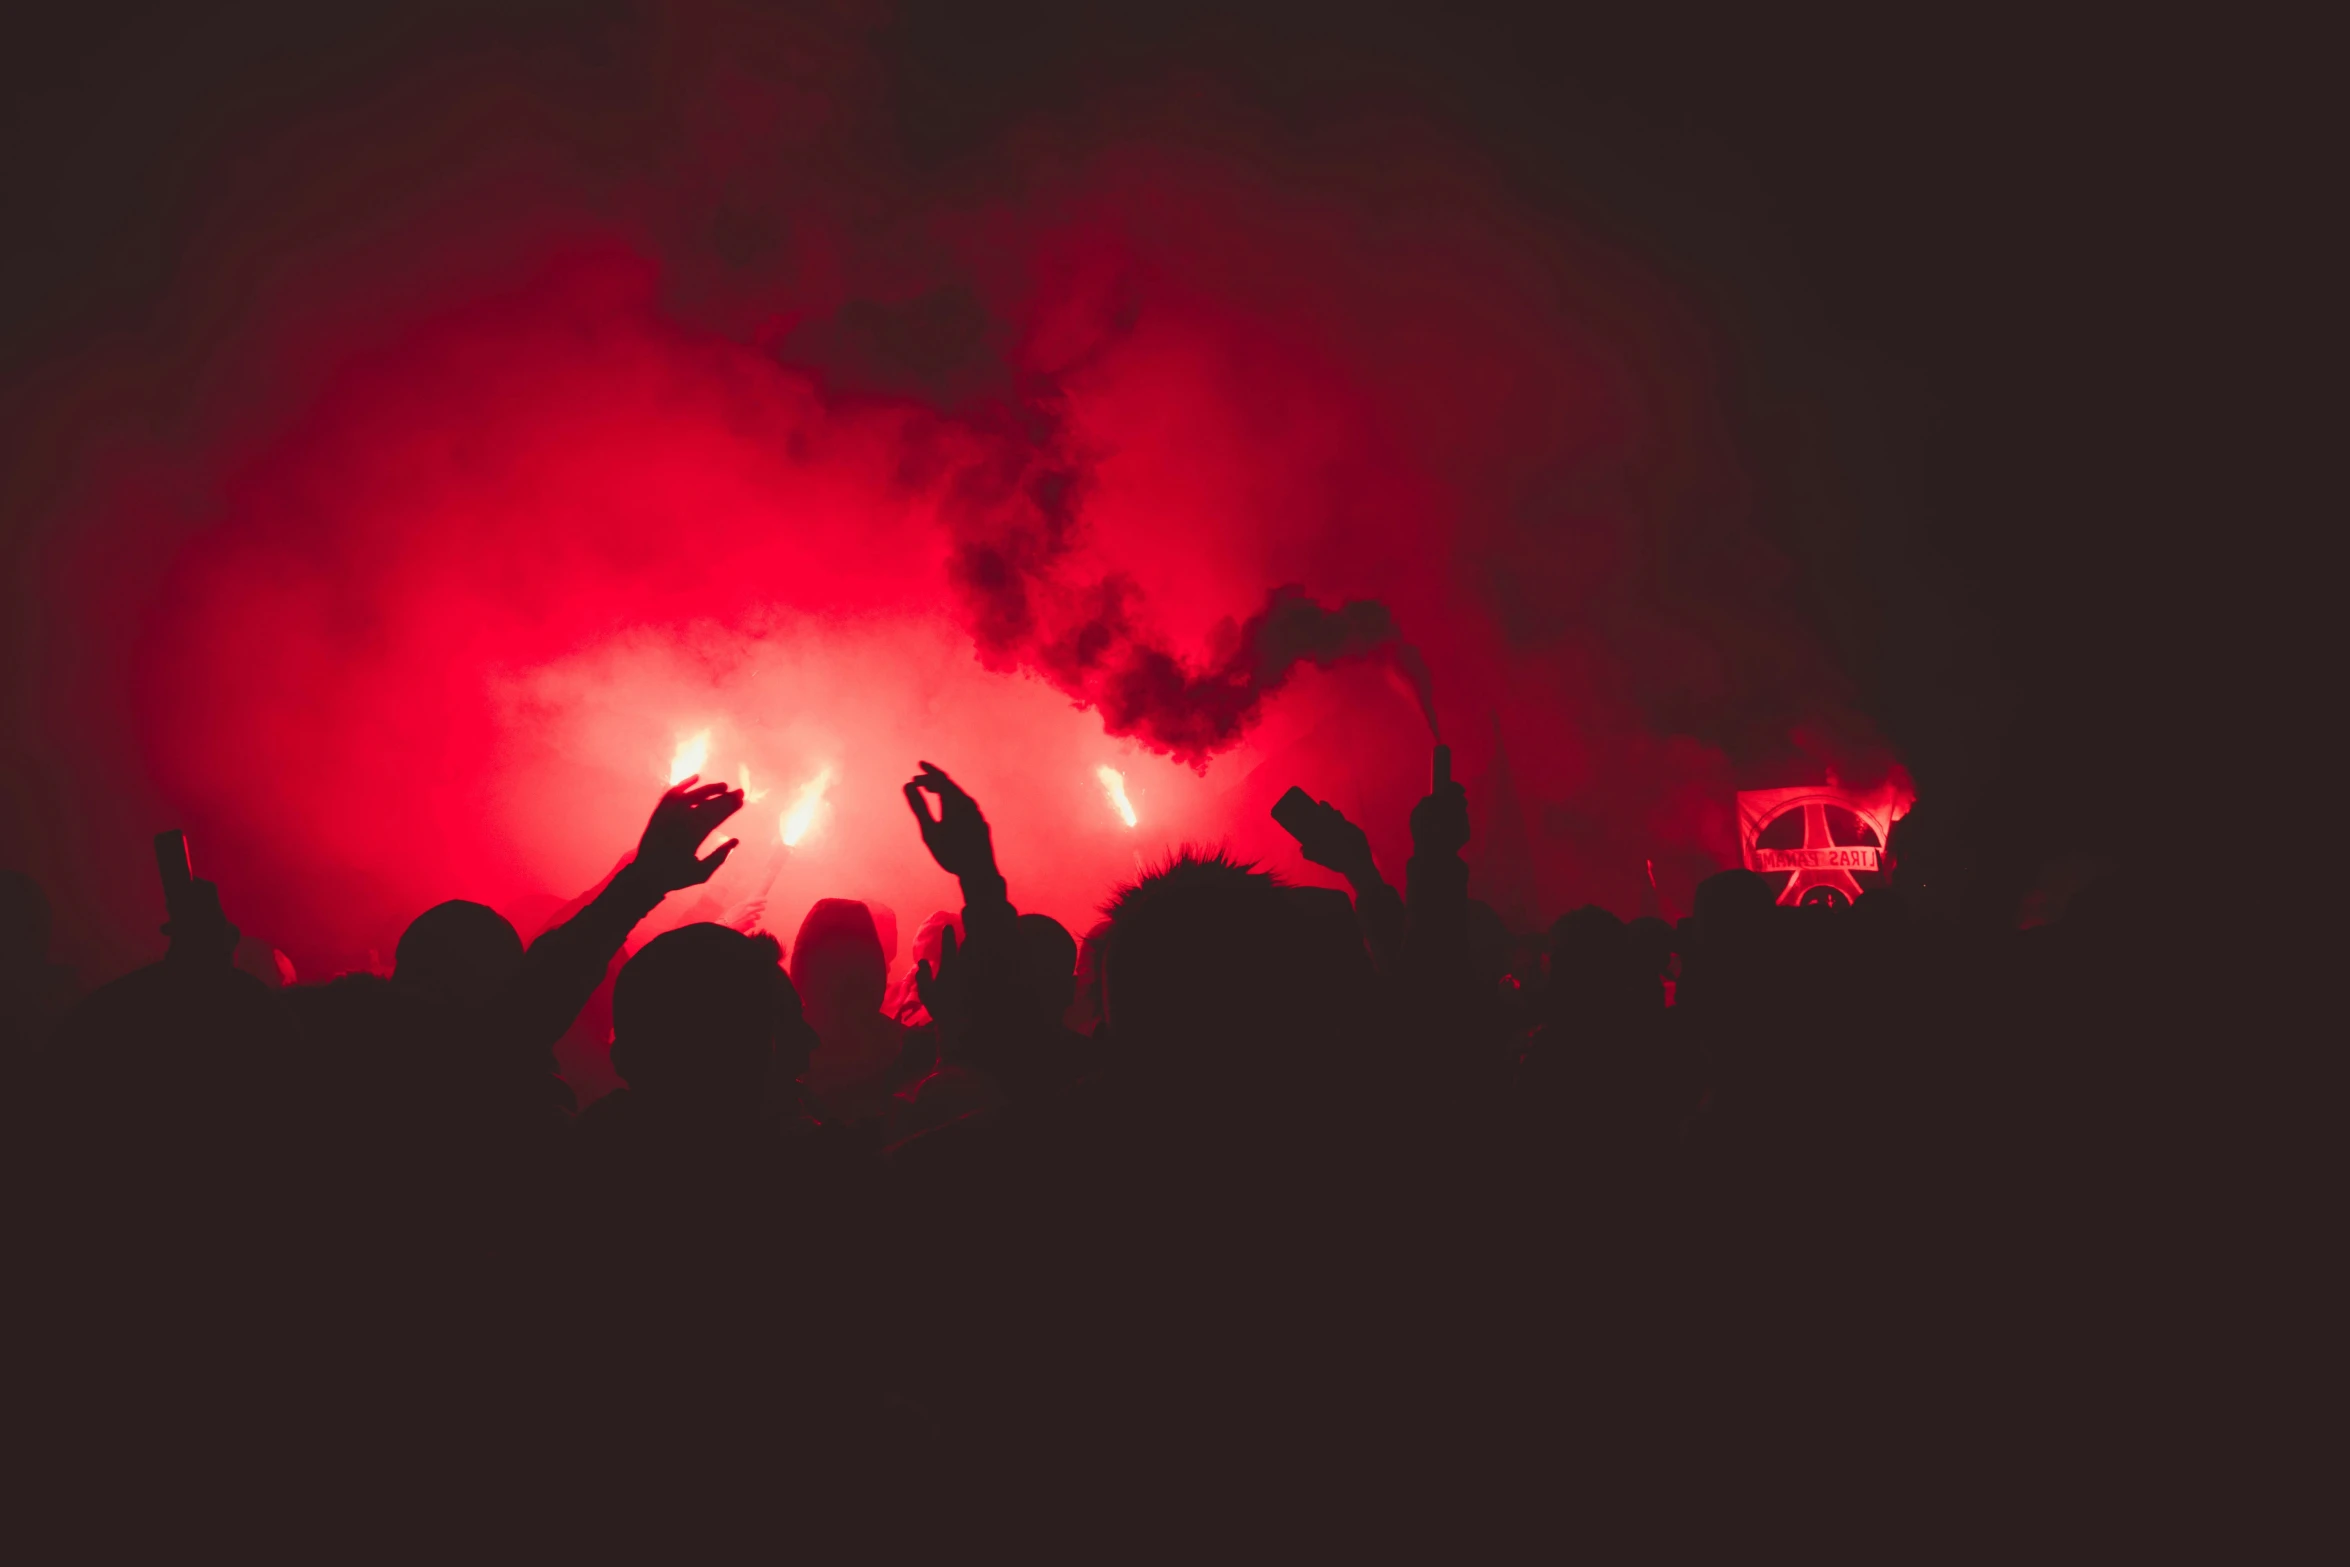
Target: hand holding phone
{"type": "Point", "coordinates": [1324, 834]}
{"type": "Point", "coordinates": [1295, 812]}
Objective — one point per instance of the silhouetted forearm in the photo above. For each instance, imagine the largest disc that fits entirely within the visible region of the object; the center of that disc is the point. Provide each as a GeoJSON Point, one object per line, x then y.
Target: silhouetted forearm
{"type": "Point", "coordinates": [1386, 925]}
{"type": "Point", "coordinates": [564, 966]}
{"type": "Point", "coordinates": [987, 908]}
{"type": "Point", "coordinates": [991, 959]}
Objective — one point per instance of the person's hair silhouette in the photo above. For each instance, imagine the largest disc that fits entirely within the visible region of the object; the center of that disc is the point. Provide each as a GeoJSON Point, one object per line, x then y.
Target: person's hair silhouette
{"type": "Point", "coordinates": [1197, 960]}
{"type": "Point", "coordinates": [1048, 966]}
{"type": "Point", "coordinates": [461, 954]}
{"type": "Point", "coordinates": [1588, 948]}
{"type": "Point", "coordinates": [698, 1016]}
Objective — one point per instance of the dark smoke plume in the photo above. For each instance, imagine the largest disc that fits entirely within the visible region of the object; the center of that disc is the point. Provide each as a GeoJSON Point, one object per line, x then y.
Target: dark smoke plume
{"type": "Point", "coordinates": [1006, 567]}
{"type": "Point", "coordinates": [1144, 690]}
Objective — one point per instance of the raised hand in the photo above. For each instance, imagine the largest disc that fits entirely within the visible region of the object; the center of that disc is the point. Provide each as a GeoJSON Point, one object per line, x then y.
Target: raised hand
{"type": "Point", "coordinates": [945, 994]}
{"type": "Point", "coordinates": [1337, 843]}
{"type": "Point", "coordinates": [957, 836]}
{"type": "Point", "coordinates": [666, 857]}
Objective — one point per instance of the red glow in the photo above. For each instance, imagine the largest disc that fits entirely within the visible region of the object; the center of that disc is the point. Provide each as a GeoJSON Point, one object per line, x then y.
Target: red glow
{"type": "Point", "coordinates": [544, 525]}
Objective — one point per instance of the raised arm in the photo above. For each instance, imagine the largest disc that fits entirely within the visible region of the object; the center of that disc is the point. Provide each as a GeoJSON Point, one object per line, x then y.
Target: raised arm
{"type": "Point", "coordinates": [958, 839]}
{"type": "Point", "coordinates": [564, 966]}
{"type": "Point", "coordinates": [973, 991]}
{"type": "Point", "coordinates": [1327, 838]}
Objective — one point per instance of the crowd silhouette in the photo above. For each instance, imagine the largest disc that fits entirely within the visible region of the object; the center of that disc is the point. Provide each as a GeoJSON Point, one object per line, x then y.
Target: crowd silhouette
{"type": "Point", "coordinates": [1260, 1202]}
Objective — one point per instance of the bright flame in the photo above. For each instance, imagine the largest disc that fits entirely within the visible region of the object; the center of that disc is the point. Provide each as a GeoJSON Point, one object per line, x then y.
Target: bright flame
{"type": "Point", "coordinates": [802, 814]}
{"type": "Point", "coordinates": [1114, 785]}
{"type": "Point", "coordinates": [691, 755]}
{"type": "Point", "coordinates": [751, 796]}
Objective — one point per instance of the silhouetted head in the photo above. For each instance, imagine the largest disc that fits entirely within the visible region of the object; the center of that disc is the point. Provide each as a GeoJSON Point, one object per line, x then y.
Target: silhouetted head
{"type": "Point", "coordinates": [1048, 964]}
{"type": "Point", "coordinates": [458, 953]}
{"type": "Point", "coordinates": [1196, 966]}
{"type": "Point", "coordinates": [24, 919]}
{"type": "Point", "coordinates": [1587, 945]}
{"type": "Point", "coordinates": [837, 962]}
{"type": "Point", "coordinates": [1650, 943]}
{"type": "Point", "coordinates": [1732, 906]}
{"type": "Point", "coordinates": [699, 1015]}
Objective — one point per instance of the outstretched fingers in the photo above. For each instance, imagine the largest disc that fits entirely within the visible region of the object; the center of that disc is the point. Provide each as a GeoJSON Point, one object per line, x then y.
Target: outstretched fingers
{"type": "Point", "coordinates": [707, 866]}
{"type": "Point", "coordinates": [934, 779]}
{"type": "Point", "coordinates": [691, 796]}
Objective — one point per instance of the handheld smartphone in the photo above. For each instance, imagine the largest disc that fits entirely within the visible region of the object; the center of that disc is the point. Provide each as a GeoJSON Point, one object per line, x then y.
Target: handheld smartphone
{"type": "Point", "coordinates": [173, 865]}
{"type": "Point", "coordinates": [1296, 811]}
{"type": "Point", "coordinates": [1443, 767]}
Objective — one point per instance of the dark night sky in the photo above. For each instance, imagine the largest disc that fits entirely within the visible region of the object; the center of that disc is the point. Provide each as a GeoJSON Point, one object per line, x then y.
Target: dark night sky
{"type": "Point", "coordinates": [1962, 260]}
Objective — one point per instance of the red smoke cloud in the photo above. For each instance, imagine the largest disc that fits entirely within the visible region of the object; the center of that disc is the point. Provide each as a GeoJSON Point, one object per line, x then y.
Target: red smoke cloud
{"type": "Point", "coordinates": [1120, 453]}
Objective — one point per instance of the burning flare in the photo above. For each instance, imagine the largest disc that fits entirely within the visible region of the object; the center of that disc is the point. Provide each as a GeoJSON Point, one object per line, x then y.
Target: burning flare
{"type": "Point", "coordinates": [1114, 785]}
{"type": "Point", "coordinates": [804, 807]}
{"type": "Point", "coordinates": [691, 755]}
